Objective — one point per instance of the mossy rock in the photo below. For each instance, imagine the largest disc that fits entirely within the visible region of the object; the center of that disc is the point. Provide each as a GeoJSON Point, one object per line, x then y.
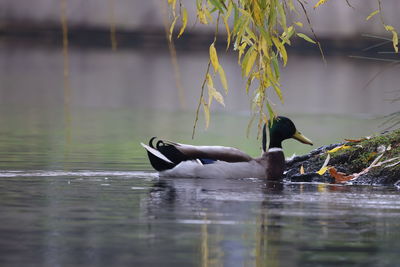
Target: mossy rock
{"type": "Point", "coordinates": [355, 159]}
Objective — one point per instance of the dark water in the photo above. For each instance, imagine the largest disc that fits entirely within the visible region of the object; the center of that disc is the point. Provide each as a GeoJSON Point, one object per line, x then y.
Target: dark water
{"type": "Point", "coordinates": [121, 218]}
{"type": "Point", "coordinates": [77, 190]}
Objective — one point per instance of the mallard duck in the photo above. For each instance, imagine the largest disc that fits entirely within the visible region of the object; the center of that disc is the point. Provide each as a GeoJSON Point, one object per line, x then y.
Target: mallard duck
{"type": "Point", "coordinates": [180, 160]}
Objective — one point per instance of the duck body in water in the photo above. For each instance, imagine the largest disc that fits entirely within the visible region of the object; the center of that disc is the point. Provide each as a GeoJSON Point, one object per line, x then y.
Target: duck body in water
{"type": "Point", "coordinates": [181, 160]}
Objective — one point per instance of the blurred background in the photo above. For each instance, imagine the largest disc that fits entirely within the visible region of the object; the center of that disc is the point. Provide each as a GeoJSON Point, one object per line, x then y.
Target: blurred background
{"type": "Point", "coordinates": [110, 100]}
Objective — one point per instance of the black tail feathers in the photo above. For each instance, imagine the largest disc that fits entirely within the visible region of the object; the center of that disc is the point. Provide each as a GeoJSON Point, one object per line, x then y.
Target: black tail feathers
{"type": "Point", "coordinates": [167, 150]}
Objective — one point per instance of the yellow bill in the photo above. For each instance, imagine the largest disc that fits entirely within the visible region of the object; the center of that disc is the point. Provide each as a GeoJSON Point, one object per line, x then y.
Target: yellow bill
{"type": "Point", "coordinates": [301, 138]}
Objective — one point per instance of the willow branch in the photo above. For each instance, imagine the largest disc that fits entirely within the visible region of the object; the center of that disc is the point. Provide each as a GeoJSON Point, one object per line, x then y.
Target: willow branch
{"type": "Point", "coordinates": [312, 30]}
{"type": "Point", "coordinates": [204, 82]}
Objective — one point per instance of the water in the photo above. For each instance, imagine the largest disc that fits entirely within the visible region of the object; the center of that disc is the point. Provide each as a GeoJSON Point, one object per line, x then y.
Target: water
{"type": "Point", "coordinates": [132, 218]}
{"type": "Point", "coordinates": [76, 188]}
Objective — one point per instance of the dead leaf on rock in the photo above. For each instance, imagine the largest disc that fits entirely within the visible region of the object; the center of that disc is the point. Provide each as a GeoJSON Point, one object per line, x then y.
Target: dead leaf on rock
{"type": "Point", "coordinates": [301, 169]}
{"type": "Point", "coordinates": [338, 148]}
{"type": "Point", "coordinates": [339, 177]}
{"type": "Point", "coordinates": [323, 170]}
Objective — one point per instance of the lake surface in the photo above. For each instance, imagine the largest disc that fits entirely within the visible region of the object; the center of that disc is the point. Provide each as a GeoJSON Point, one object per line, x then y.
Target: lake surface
{"type": "Point", "coordinates": [120, 218]}
{"type": "Point", "coordinates": [76, 188]}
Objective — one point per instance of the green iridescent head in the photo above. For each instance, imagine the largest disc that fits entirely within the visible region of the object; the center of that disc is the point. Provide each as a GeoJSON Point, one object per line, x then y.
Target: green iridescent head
{"type": "Point", "coordinates": [281, 128]}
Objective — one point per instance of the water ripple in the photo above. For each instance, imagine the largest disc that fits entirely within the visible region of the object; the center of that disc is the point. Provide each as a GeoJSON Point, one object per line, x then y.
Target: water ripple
{"type": "Point", "coordinates": [84, 173]}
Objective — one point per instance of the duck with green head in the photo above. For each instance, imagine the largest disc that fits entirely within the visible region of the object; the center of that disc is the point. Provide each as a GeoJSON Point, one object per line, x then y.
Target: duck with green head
{"type": "Point", "coordinates": [181, 160]}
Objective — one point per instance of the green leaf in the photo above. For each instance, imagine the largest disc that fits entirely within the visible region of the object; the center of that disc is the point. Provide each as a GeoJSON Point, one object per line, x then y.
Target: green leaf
{"type": "Point", "coordinates": [266, 35]}
{"type": "Point", "coordinates": [228, 32]}
{"type": "Point", "coordinates": [276, 67]}
{"type": "Point", "coordinates": [278, 92]}
{"type": "Point", "coordinates": [270, 110]}
{"type": "Point", "coordinates": [235, 16]}
{"type": "Point", "coordinates": [305, 37]}
{"type": "Point", "coordinates": [372, 14]}
{"type": "Point", "coordinates": [217, 4]}
{"type": "Point", "coordinates": [282, 16]}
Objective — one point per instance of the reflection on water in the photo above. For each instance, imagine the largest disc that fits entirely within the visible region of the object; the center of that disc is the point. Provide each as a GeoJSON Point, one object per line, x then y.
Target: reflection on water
{"type": "Point", "coordinates": [129, 218]}
{"type": "Point", "coordinates": [120, 99]}
{"type": "Point", "coordinates": [77, 193]}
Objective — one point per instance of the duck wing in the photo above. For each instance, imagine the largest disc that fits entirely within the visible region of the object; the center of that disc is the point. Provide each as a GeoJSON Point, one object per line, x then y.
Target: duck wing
{"type": "Point", "coordinates": [223, 153]}
{"type": "Point", "coordinates": [166, 154]}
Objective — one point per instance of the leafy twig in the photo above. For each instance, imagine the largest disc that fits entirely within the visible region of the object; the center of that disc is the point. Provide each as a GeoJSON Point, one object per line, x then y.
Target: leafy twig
{"type": "Point", "coordinates": [312, 30]}
{"type": "Point", "coordinates": [204, 82]}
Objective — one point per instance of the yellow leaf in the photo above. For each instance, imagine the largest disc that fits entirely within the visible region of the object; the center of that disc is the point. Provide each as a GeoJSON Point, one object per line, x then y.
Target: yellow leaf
{"type": "Point", "coordinates": [171, 29]}
{"type": "Point", "coordinates": [206, 110]}
{"type": "Point", "coordinates": [208, 15]}
{"type": "Point", "coordinates": [209, 80]}
{"type": "Point", "coordinates": [299, 24]}
{"type": "Point", "coordinates": [228, 32]}
{"type": "Point", "coordinates": [320, 2]}
{"type": "Point", "coordinates": [210, 84]}
{"type": "Point", "coordinates": [281, 49]}
{"type": "Point", "coordinates": [172, 3]}
{"type": "Point", "coordinates": [248, 65]}
{"type": "Point", "coordinates": [184, 22]}
{"type": "Point", "coordinates": [338, 148]}
{"type": "Point", "coordinates": [395, 41]}
{"type": "Point", "coordinates": [247, 40]}
{"type": "Point", "coordinates": [214, 57]}
{"type": "Point", "coordinates": [216, 95]}
{"type": "Point", "coordinates": [322, 170]}
{"type": "Point", "coordinates": [324, 166]}
{"type": "Point", "coordinates": [222, 77]}
{"type": "Point", "coordinates": [264, 47]}
{"type": "Point", "coordinates": [305, 37]}
{"type": "Point", "coordinates": [389, 28]}
{"type": "Point", "coordinates": [372, 14]}
{"type": "Point", "coordinates": [250, 33]}
{"type": "Point", "coordinates": [278, 91]}
{"type": "Point", "coordinates": [270, 76]}
{"type": "Point", "coordinates": [257, 13]}
{"type": "Point", "coordinates": [395, 38]}
{"type": "Point", "coordinates": [202, 16]}
{"type": "Point", "coordinates": [301, 169]}
{"type": "Point", "coordinates": [245, 13]}
{"type": "Point", "coordinates": [290, 32]}
{"type": "Point", "coordinates": [241, 49]}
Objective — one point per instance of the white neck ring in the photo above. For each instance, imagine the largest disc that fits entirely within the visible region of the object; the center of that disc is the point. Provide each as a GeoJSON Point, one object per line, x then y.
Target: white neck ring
{"type": "Point", "coordinates": [275, 149]}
